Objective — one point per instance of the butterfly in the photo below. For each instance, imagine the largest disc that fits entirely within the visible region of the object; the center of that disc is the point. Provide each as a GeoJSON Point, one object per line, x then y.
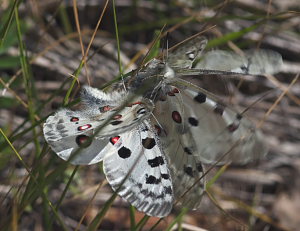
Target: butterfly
{"type": "Point", "coordinates": [155, 136]}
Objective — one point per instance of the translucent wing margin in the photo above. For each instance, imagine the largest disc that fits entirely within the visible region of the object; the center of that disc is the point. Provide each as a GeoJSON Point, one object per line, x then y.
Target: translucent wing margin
{"type": "Point", "coordinates": [254, 62]}
{"type": "Point", "coordinates": [218, 129]}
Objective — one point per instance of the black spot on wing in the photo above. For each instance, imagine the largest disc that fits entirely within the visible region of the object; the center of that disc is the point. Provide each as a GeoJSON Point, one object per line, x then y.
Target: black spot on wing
{"type": "Point", "coordinates": [189, 171]}
{"type": "Point", "coordinates": [199, 167]}
{"type": "Point", "coordinates": [124, 152]}
{"type": "Point", "coordinates": [239, 116]}
{"type": "Point", "coordinates": [148, 143]}
{"type": "Point", "coordinates": [116, 122]}
{"type": "Point", "coordinates": [168, 190]}
{"type": "Point", "coordinates": [219, 109]}
{"type": "Point", "coordinates": [165, 176]}
{"type": "Point", "coordinates": [155, 162]}
{"type": "Point", "coordinates": [200, 98]}
{"type": "Point", "coordinates": [187, 151]}
{"type": "Point", "coordinates": [144, 129]}
{"type": "Point", "coordinates": [152, 180]}
{"type": "Point", "coordinates": [193, 121]}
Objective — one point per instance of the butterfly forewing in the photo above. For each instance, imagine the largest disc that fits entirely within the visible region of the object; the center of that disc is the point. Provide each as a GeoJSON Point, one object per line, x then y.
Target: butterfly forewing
{"type": "Point", "coordinates": [220, 132]}
{"type": "Point", "coordinates": [254, 62]}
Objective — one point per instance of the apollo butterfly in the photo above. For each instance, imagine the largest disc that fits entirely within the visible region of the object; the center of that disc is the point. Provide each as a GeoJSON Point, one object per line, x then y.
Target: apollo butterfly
{"type": "Point", "coordinates": [155, 137]}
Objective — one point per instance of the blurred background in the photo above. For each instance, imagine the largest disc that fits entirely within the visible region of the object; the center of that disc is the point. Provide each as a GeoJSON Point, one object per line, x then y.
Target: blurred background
{"type": "Point", "coordinates": [41, 51]}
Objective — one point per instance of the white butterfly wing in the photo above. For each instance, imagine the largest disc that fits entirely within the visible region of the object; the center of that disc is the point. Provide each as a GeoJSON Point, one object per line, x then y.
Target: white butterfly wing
{"type": "Point", "coordinates": [221, 131]}
{"type": "Point", "coordinates": [214, 130]}
{"type": "Point", "coordinates": [254, 62]}
{"type": "Point", "coordinates": [135, 167]}
{"type": "Point", "coordinates": [179, 147]}
{"type": "Point", "coordinates": [67, 131]}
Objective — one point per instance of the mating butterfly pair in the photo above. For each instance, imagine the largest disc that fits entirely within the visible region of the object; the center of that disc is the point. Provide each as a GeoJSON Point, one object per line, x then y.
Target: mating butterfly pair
{"type": "Point", "coordinates": [154, 137]}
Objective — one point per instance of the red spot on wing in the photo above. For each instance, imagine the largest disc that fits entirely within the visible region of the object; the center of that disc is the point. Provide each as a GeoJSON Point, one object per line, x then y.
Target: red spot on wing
{"type": "Point", "coordinates": [176, 117]}
{"type": "Point", "coordinates": [173, 92]}
{"type": "Point", "coordinates": [233, 127]}
{"type": "Point", "coordinates": [117, 117]}
{"type": "Point", "coordinates": [135, 103]}
{"type": "Point", "coordinates": [74, 119]}
{"type": "Point", "coordinates": [114, 140]}
{"type": "Point", "coordinates": [83, 141]}
{"type": "Point", "coordinates": [105, 108]}
{"type": "Point", "coordinates": [158, 129]}
{"type": "Point", "coordinates": [84, 127]}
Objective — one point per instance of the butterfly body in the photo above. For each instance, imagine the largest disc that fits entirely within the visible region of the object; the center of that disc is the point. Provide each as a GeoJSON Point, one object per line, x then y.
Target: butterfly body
{"type": "Point", "coordinates": [155, 137]}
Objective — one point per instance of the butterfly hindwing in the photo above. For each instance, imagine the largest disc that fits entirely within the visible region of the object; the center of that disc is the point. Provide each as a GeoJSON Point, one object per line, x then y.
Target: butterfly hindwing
{"type": "Point", "coordinates": [179, 146]}
{"type": "Point", "coordinates": [136, 168]}
{"type": "Point", "coordinates": [89, 129]}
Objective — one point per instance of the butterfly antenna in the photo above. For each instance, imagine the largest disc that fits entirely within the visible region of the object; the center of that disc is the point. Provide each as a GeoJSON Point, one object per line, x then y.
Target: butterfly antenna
{"type": "Point", "coordinates": [165, 47]}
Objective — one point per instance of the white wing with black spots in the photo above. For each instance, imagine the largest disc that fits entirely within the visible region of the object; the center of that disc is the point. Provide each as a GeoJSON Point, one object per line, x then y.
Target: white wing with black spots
{"type": "Point", "coordinates": [176, 140]}
{"type": "Point", "coordinates": [136, 168]}
{"type": "Point", "coordinates": [211, 129]}
{"type": "Point", "coordinates": [219, 131]}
